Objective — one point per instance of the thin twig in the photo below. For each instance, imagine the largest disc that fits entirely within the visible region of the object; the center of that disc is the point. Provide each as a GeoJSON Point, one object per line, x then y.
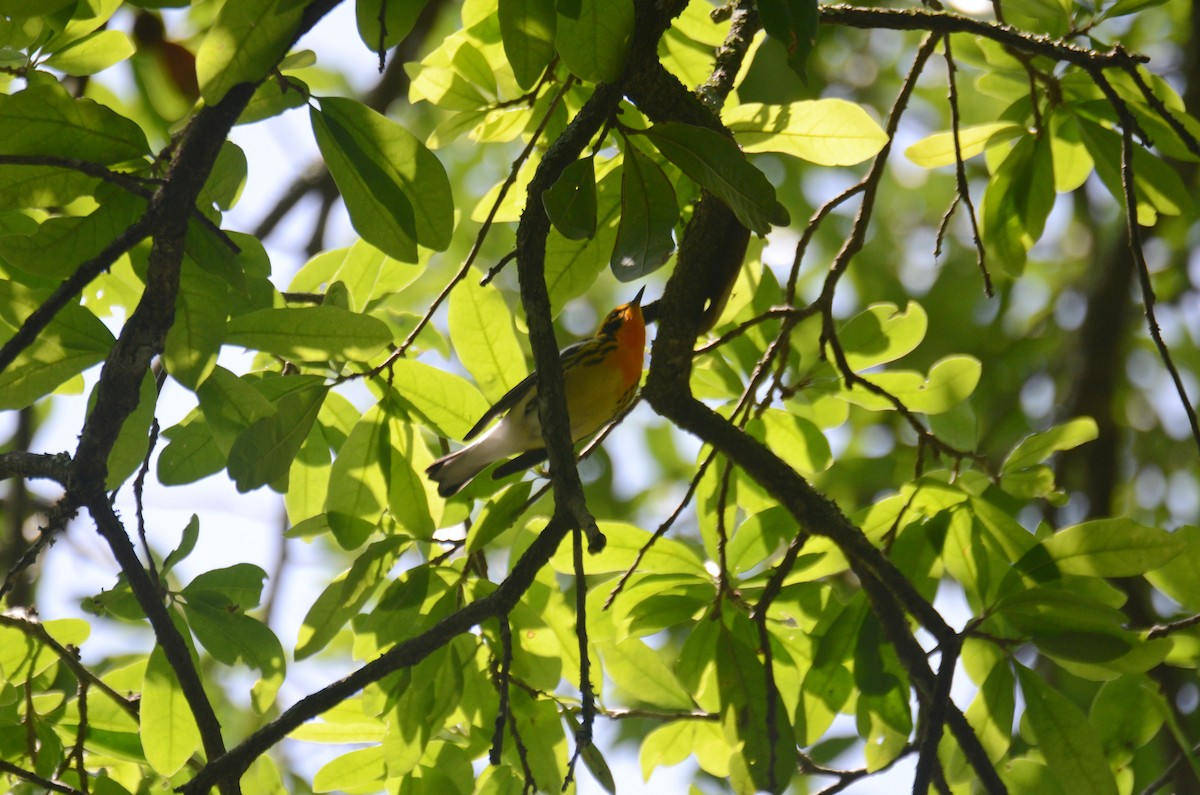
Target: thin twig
{"type": "Point", "coordinates": [1128, 125]}
{"type": "Point", "coordinates": [36, 631]}
{"type": "Point", "coordinates": [960, 169]}
{"type": "Point", "coordinates": [33, 778]}
{"type": "Point", "coordinates": [587, 699]}
{"type": "Point", "coordinates": [502, 685]}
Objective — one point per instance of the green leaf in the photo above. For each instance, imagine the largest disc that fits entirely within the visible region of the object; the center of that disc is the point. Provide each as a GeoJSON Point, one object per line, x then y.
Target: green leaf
{"type": "Point", "coordinates": [263, 453]}
{"type": "Point", "coordinates": [624, 542]}
{"type": "Point", "coordinates": [1179, 578]}
{"type": "Point", "coordinates": [1116, 547]}
{"type": "Point", "coordinates": [796, 440]}
{"type": "Point", "coordinates": [31, 8]}
{"type": "Point", "coordinates": [348, 722]}
{"type": "Point", "coordinates": [61, 244]}
{"type": "Point", "coordinates": [715, 162]}
{"type": "Point", "coordinates": [1072, 163]}
{"type": "Point", "coordinates": [72, 342]}
{"type": "Point", "coordinates": [642, 675]}
{"type": "Point", "coordinates": [828, 132]}
{"type": "Point", "coordinates": [1127, 713]}
{"type": "Point", "coordinates": [793, 23]}
{"type": "Point", "coordinates": [22, 657]}
{"type": "Point", "coordinates": [227, 178]}
{"type": "Point", "coordinates": [498, 515]}
{"type": "Point", "coordinates": [358, 481]}
{"type": "Point", "coordinates": [1017, 202]}
{"type": "Point", "coordinates": [41, 186]}
{"type": "Point", "coordinates": [648, 215]}
{"type": "Point", "coordinates": [191, 454]}
{"type": "Point", "coordinates": [44, 119]}
{"type": "Point", "coordinates": [187, 543]}
{"type": "Point", "coordinates": [235, 637]}
{"type": "Point", "coordinates": [1037, 448]}
{"type": "Point", "coordinates": [571, 201]}
{"type": "Point", "coordinates": [741, 678]}
{"type": "Point", "coordinates": [93, 53]}
{"type": "Point", "coordinates": [671, 743]}
{"type": "Point", "coordinates": [245, 43]}
{"type": "Point", "coordinates": [938, 149]}
{"type": "Point", "coordinates": [194, 340]}
{"type": "Point", "coordinates": [1158, 187]}
{"type": "Point", "coordinates": [573, 265]}
{"type": "Point", "coordinates": [367, 273]}
{"type": "Point", "coordinates": [527, 29]}
{"type": "Point", "coordinates": [482, 334]}
{"type": "Point", "coordinates": [237, 587]}
{"type": "Point", "coordinates": [1065, 738]}
{"type": "Point", "coordinates": [359, 770]}
{"type": "Point", "coordinates": [398, 21]}
{"type": "Point", "coordinates": [951, 381]}
{"type": "Point", "coordinates": [408, 492]}
{"type": "Point", "coordinates": [444, 401]}
{"type": "Point", "coordinates": [395, 189]}
{"type": "Point", "coordinates": [882, 333]}
{"type": "Point", "coordinates": [310, 333]}
{"type": "Point", "coordinates": [991, 712]}
{"type": "Point", "coordinates": [85, 19]}
{"type": "Point", "coordinates": [343, 598]}
{"type": "Point", "coordinates": [231, 404]}
{"type": "Point", "coordinates": [273, 97]}
{"type": "Point", "coordinates": [168, 729]}
{"type": "Point", "coordinates": [593, 37]}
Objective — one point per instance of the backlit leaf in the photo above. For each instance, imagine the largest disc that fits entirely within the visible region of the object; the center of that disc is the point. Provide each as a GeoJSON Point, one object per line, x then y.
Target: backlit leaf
{"type": "Point", "coordinates": [828, 132]}
{"type": "Point", "coordinates": [395, 189]}
{"type": "Point", "coordinates": [244, 44]}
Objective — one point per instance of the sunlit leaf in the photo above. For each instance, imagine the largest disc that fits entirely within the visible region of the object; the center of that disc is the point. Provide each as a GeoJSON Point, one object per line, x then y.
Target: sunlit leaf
{"type": "Point", "coordinates": [828, 132]}
{"type": "Point", "coordinates": [168, 730]}
{"type": "Point", "coordinates": [309, 333]}
{"type": "Point", "coordinates": [395, 189]}
{"type": "Point", "coordinates": [93, 53]}
{"type": "Point", "coordinates": [245, 43]}
{"type": "Point", "coordinates": [938, 149]}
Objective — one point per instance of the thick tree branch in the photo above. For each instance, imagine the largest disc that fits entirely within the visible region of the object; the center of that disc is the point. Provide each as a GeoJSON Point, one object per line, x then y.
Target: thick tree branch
{"type": "Point", "coordinates": [22, 464]}
{"type": "Point", "coordinates": [938, 22]}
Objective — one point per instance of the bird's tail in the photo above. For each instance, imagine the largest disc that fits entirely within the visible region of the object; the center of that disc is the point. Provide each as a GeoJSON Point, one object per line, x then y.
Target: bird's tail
{"type": "Point", "coordinates": [456, 470]}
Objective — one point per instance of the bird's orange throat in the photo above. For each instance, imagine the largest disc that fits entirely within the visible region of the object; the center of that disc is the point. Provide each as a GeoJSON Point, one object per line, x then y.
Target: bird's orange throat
{"type": "Point", "coordinates": [631, 346]}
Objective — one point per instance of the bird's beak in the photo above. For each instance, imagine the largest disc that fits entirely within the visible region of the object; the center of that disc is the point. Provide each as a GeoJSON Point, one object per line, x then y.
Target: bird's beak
{"type": "Point", "coordinates": [637, 299]}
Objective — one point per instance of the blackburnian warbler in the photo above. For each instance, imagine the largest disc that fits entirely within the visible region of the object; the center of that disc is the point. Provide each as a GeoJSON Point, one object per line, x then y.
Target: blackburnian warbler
{"type": "Point", "coordinates": [600, 375]}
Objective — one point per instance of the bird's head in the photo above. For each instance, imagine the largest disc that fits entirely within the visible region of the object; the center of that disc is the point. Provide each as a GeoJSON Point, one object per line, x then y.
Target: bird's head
{"type": "Point", "coordinates": [626, 316]}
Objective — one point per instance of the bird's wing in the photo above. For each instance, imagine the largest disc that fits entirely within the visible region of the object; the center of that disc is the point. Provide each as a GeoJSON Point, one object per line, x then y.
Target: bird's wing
{"type": "Point", "coordinates": [515, 395]}
{"type": "Point", "coordinates": [510, 399]}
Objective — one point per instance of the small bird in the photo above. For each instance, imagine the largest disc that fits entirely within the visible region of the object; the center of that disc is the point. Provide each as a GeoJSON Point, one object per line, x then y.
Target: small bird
{"type": "Point", "coordinates": [600, 375]}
